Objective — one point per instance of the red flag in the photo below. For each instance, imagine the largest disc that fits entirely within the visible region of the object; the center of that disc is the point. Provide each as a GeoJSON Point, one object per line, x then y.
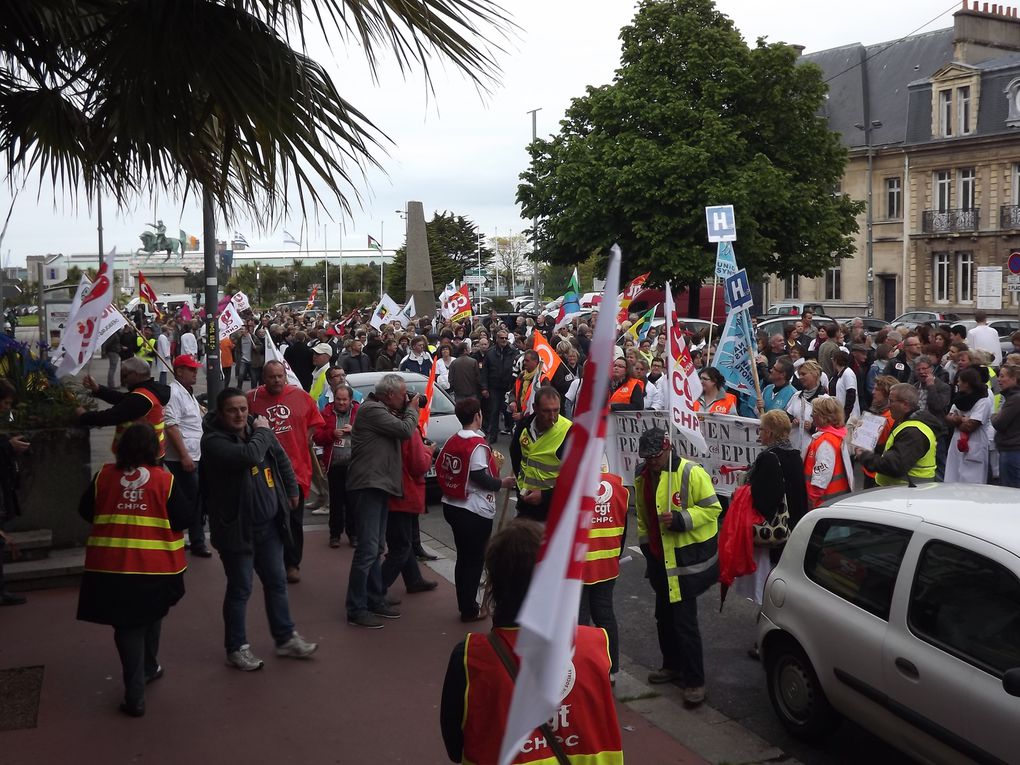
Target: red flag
{"type": "Point", "coordinates": [548, 617]}
{"type": "Point", "coordinates": [148, 296]}
{"type": "Point", "coordinates": [426, 411]}
{"type": "Point", "coordinates": [186, 312]}
{"type": "Point", "coordinates": [311, 299]}
{"type": "Point", "coordinates": [550, 359]}
{"type": "Point", "coordinates": [458, 305]}
{"type": "Point", "coordinates": [628, 295]}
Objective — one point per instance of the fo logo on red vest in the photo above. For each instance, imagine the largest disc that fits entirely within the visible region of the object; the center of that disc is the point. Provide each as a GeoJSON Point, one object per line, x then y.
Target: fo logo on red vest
{"type": "Point", "coordinates": [451, 463]}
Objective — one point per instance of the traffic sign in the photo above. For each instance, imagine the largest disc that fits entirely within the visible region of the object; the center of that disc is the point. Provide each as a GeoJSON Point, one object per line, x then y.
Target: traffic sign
{"type": "Point", "coordinates": [474, 279]}
{"type": "Point", "coordinates": [738, 291]}
{"type": "Point", "coordinates": [1013, 279]}
{"type": "Point", "coordinates": [1014, 262]}
{"type": "Point", "coordinates": [1013, 288]}
{"type": "Point", "coordinates": [722, 224]}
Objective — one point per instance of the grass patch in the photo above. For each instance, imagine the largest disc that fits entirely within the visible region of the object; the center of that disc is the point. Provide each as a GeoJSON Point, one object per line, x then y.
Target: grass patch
{"type": "Point", "coordinates": [28, 321]}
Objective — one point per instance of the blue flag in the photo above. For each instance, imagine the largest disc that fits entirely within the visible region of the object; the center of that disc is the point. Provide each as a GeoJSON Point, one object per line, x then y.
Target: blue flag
{"type": "Point", "coordinates": [733, 355]}
{"type": "Point", "coordinates": [725, 260]}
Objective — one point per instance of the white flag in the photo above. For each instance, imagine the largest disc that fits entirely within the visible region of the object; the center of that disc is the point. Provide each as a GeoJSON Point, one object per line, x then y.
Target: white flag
{"type": "Point", "coordinates": [240, 301]}
{"type": "Point", "coordinates": [273, 354]}
{"type": "Point", "coordinates": [408, 312]}
{"type": "Point", "coordinates": [448, 290]}
{"type": "Point", "coordinates": [78, 341]}
{"type": "Point", "coordinates": [385, 312]}
{"type": "Point", "coordinates": [683, 386]}
{"type": "Point", "coordinates": [230, 321]}
{"type": "Point", "coordinates": [548, 617]}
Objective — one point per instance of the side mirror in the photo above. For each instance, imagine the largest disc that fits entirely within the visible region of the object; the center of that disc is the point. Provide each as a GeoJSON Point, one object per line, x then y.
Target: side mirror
{"type": "Point", "coordinates": [1011, 682]}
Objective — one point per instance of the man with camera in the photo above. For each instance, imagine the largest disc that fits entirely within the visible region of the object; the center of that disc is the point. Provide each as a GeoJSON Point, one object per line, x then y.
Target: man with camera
{"type": "Point", "coordinates": [388, 417]}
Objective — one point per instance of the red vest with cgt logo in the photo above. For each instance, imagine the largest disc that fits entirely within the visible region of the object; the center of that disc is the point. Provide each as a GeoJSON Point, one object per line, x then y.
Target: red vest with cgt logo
{"type": "Point", "coordinates": [608, 524]}
{"type": "Point", "coordinates": [453, 465]}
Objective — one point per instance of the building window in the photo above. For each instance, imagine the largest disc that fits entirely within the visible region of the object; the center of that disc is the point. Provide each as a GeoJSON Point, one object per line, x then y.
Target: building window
{"type": "Point", "coordinates": [1016, 183]}
{"type": "Point", "coordinates": [833, 283]}
{"type": "Point", "coordinates": [793, 287]}
{"type": "Point", "coordinates": [965, 192]}
{"type": "Point", "coordinates": [945, 113]}
{"type": "Point", "coordinates": [893, 199]}
{"type": "Point", "coordinates": [941, 272]}
{"type": "Point", "coordinates": [964, 277]}
{"type": "Point", "coordinates": [943, 190]}
{"type": "Point", "coordinates": [963, 109]}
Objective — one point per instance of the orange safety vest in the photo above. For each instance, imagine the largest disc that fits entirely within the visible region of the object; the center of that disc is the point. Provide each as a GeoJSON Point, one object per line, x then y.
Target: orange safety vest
{"type": "Point", "coordinates": [607, 527]}
{"type": "Point", "coordinates": [840, 483]}
{"type": "Point", "coordinates": [131, 533]}
{"type": "Point", "coordinates": [886, 430]}
{"type": "Point", "coordinates": [585, 721]}
{"type": "Point", "coordinates": [154, 417]}
{"type": "Point", "coordinates": [724, 405]}
{"type": "Point", "coordinates": [622, 394]}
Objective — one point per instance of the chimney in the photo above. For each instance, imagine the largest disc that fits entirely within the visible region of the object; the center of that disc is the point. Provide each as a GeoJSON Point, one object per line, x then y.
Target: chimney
{"type": "Point", "coordinates": [981, 35]}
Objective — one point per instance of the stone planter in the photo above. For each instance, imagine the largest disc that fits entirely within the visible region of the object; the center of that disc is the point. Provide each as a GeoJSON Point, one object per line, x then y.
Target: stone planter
{"type": "Point", "coordinates": [54, 473]}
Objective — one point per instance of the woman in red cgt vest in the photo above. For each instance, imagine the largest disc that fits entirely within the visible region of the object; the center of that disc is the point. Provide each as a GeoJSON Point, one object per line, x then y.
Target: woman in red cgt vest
{"type": "Point", "coordinates": [134, 556]}
{"type": "Point", "coordinates": [480, 677]}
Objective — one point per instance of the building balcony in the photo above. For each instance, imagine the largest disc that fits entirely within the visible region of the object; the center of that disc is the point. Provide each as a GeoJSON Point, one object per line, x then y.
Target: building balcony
{"type": "Point", "coordinates": [950, 221]}
{"type": "Point", "coordinates": [1009, 216]}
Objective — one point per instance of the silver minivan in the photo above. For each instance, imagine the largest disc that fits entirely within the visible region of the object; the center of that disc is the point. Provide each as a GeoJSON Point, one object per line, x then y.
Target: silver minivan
{"type": "Point", "coordinates": [900, 609]}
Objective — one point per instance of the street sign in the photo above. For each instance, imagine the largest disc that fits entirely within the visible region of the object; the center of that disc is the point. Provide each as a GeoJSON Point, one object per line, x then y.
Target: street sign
{"type": "Point", "coordinates": [1013, 287]}
{"type": "Point", "coordinates": [474, 280]}
{"type": "Point", "coordinates": [1013, 279]}
{"type": "Point", "coordinates": [738, 291]}
{"type": "Point", "coordinates": [1014, 262]}
{"type": "Point", "coordinates": [54, 271]}
{"type": "Point", "coordinates": [722, 224]}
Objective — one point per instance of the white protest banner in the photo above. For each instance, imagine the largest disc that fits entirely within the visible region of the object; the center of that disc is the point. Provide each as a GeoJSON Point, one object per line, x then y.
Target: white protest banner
{"type": "Point", "coordinates": [230, 321]}
{"type": "Point", "coordinates": [732, 445]}
{"type": "Point", "coordinates": [78, 341]}
{"type": "Point", "coordinates": [385, 312]}
{"type": "Point", "coordinates": [111, 321]}
{"type": "Point", "coordinates": [240, 301]}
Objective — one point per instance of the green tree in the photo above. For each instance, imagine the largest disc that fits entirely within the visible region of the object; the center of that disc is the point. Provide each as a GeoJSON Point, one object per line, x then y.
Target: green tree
{"type": "Point", "coordinates": [693, 117]}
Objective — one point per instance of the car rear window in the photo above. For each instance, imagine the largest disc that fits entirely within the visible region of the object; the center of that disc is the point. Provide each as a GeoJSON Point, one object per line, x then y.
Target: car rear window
{"type": "Point", "coordinates": [967, 605]}
{"type": "Point", "coordinates": [857, 561]}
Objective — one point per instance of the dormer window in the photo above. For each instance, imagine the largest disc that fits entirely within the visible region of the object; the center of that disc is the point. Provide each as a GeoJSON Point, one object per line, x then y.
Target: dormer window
{"type": "Point", "coordinates": [963, 109]}
{"type": "Point", "coordinates": [1013, 103]}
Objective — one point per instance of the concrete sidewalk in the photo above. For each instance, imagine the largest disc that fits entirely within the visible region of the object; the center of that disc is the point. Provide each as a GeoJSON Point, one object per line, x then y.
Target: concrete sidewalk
{"type": "Point", "coordinates": [365, 697]}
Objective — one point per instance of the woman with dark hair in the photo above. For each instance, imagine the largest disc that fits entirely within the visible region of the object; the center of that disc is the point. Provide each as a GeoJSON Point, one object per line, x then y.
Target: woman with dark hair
{"type": "Point", "coordinates": [626, 391]}
{"type": "Point", "coordinates": [480, 677]}
{"type": "Point", "coordinates": [714, 397]}
{"type": "Point", "coordinates": [468, 473]}
{"type": "Point", "coordinates": [134, 556]}
{"type": "Point", "coordinates": [968, 417]}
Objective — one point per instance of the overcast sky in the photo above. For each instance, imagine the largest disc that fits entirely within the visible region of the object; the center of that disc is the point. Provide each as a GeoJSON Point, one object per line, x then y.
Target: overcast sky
{"type": "Point", "coordinates": [458, 151]}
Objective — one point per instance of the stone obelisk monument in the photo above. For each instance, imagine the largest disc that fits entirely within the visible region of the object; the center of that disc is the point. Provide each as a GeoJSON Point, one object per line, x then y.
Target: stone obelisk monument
{"type": "Point", "coordinates": [419, 267]}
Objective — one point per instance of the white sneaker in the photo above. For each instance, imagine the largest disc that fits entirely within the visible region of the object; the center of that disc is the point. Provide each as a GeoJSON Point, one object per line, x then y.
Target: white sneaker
{"type": "Point", "coordinates": [320, 511]}
{"type": "Point", "coordinates": [244, 659]}
{"type": "Point", "coordinates": [296, 648]}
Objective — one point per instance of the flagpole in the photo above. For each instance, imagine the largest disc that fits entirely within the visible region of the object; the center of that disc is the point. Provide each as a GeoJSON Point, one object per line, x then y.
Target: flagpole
{"type": "Point", "coordinates": [341, 314]}
{"type": "Point", "coordinates": [670, 368]}
{"type": "Point", "coordinates": [711, 318]}
{"type": "Point", "coordinates": [325, 252]}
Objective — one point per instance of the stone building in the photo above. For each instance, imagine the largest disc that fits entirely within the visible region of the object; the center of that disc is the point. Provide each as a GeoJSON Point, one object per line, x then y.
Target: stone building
{"type": "Point", "coordinates": [931, 123]}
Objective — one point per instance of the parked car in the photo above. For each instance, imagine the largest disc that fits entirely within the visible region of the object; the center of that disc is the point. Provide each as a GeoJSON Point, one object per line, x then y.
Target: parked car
{"type": "Point", "coordinates": [647, 298]}
{"type": "Point", "coordinates": [912, 318]}
{"type": "Point", "coordinates": [1005, 328]}
{"type": "Point", "coordinates": [591, 299]}
{"type": "Point", "coordinates": [777, 325]}
{"type": "Point", "coordinates": [899, 608]}
{"type": "Point", "coordinates": [795, 309]}
{"type": "Point", "coordinates": [442, 424]}
{"type": "Point", "coordinates": [873, 325]}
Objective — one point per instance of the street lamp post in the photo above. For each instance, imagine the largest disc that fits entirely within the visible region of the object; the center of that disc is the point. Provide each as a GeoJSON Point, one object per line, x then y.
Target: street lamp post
{"type": "Point", "coordinates": [869, 228]}
{"type": "Point", "coordinates": [534, 222]}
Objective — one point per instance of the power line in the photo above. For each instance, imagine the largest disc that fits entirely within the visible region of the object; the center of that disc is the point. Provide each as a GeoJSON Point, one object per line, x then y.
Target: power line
{"type": "Point", "coordinates": [891, 44]}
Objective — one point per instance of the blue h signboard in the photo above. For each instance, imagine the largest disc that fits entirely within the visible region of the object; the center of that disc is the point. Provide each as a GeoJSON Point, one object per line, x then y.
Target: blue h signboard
{"type": "Point", "coordinates": [722, 224]}
{"type": "Point", "coordinates": [738, 291]}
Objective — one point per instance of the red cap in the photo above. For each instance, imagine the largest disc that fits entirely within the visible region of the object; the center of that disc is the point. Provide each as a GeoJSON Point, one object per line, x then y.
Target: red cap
{"type": "Point", "coordinates": [186, 361]}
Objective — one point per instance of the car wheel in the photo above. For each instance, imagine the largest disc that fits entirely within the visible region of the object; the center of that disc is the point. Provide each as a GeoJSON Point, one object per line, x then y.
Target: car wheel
{"type": "Point", "coordinates": [795, 692]}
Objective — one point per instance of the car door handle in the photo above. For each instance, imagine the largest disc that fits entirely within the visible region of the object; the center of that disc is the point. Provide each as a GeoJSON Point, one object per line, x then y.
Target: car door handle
{"type": "Point", "coordinates": [907, 668]}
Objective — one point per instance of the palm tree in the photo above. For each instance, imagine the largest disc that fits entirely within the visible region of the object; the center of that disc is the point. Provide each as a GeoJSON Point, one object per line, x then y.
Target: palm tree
{"type": "Point", "coordinates": [219, 96]}
{"type": "Point", "coordinates": [135, 96]}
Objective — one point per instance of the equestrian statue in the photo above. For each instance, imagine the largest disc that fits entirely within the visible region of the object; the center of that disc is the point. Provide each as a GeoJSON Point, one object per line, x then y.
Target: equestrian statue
{"type": "Point", "coordinates": [158, 241]}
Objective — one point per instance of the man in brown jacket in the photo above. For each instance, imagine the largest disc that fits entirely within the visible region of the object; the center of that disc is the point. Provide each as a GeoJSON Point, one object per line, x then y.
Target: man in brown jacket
{"type": "Point", "coordinates": [465, 377]}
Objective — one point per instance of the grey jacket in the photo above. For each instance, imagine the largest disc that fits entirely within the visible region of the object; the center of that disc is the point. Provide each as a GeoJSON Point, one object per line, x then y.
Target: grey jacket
{"type": "Point", "coordinates": [1007, 422]}
{"type": "Point", "coordinates": [375, 459]}
{"type": "Point", "coordinates": [224, 478]}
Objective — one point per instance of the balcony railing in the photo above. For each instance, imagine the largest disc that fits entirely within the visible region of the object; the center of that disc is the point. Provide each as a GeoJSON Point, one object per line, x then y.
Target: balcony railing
{"type": "Point", "coordinates": [1009, 216]}
{"type": "Point", "coordinates": [950, 221]}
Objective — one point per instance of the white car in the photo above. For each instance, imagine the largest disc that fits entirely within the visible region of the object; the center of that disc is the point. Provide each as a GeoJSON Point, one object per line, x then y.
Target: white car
{"type": "Point", "coordinates": [900, 609]}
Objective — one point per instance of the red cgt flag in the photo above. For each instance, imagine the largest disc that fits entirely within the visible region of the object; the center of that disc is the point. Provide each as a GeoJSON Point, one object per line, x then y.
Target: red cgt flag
{"type": "Point", "coordinates": [148, 296]}
{"type": "Point", "coordinates": [629, 293]}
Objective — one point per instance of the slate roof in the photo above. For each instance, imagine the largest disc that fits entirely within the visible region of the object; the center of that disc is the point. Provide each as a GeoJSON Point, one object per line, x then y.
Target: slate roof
{"type": "Point", "coordinates": [887, 71]}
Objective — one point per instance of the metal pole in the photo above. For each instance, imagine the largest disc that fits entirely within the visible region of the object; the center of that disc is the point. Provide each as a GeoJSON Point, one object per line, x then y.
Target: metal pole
{"type": "Point", "coordinates": [325, 252]}
{"type": "Point", "coordinates": [258, 282]}
{"type": "Point", "coordinates": [478, 285]}
{"type": "Point", "coordinates": [99, 214]}
{"type": "Point", "coordinates": [870, 229]}
{"type": "Point", "coordinates": [341, 277]}
{"type": "Point", "coordinates": [42, 306]}
{"type": "Point", "coordinates": [213, 372]}
{"type": "Point", "coordinates": [534, 222]}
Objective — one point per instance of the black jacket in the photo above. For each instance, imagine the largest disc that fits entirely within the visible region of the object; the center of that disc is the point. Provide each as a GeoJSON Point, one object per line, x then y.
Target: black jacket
{"type": "Point", "coordinates": [768, 484]}
{"type": "Point", "coordinates": [126, 408]}
{"type": "Point", "coordinates": [299, 356]}
{"type": "Point", "coordinates": [360, 363]}
{"type": "Point", "coordinates": [498, 371]}
{"type": "Point", "coordinates": [910, 445]}
{"type": "Point", "coordinates": [224, 479]}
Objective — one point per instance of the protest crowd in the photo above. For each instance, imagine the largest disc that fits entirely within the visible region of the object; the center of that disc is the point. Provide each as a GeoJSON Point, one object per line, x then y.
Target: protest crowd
{"type": "Point", "coordinates": [839, 409]}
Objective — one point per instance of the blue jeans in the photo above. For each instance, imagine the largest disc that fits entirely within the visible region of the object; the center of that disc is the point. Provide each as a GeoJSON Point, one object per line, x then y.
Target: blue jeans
{"type": "Point", "coordinates": [266, 559]}
{"type": "Point", "coordinates": [365, 590]}
{"type": "Point", "coordinates": [1009, 469]}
